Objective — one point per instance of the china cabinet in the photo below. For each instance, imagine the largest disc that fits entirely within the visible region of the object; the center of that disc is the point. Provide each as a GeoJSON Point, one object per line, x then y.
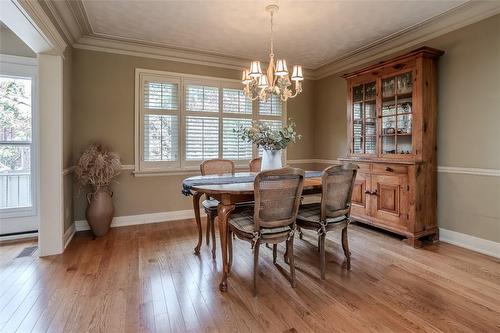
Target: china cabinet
{"type": "Point", "coordinates": [391, 119]}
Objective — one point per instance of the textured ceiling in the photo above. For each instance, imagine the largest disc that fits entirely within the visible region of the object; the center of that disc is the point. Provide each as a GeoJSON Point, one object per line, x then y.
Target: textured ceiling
{"type": "Point", "coordinates": [311, 33]}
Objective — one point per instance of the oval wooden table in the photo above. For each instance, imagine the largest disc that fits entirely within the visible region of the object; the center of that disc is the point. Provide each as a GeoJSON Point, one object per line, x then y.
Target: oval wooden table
{"type": "Point", "coordinates": [228, 196]}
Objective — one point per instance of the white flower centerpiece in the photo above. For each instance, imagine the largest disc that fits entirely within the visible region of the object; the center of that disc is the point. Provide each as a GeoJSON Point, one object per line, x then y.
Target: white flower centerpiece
{"type": "Point", "coordinates": [272, 141]}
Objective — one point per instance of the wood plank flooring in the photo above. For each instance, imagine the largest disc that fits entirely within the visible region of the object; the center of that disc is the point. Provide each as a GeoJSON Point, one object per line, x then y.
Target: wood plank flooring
{"type": "Point", "coordinates": [147, 279]}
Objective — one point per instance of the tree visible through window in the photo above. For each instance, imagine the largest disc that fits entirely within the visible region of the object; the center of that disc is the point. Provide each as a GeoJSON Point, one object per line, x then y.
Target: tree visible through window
{"type": "Point", "coordinates": [15, 142]}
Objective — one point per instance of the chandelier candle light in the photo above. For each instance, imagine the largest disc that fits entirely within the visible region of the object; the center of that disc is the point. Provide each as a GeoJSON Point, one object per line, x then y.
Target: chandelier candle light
{"type": "Point", "coordinates": [277, 80]}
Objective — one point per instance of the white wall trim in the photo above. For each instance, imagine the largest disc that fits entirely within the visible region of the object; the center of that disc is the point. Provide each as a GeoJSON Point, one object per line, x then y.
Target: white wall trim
{"type": "Point", "coordinates": [470, 171]}
{"type": "Point", "coordinates": [473, 243]}
{"type": "Point", "coordinates": [37, 16]}
{"type": "Point", "coordinates": [453, 19]}
{"type": "Point", "coordinates": [50, 106]}
{"type": "Point", "coordinates": [18, 237]}
{"type": "Point", "coordinates": [68, 235]}
{"type": "Point", "coordinates": [122, 221]}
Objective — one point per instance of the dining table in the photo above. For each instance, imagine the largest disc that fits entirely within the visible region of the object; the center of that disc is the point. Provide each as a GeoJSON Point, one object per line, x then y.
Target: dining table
{"type": "Point", "coordinates": [231, 190]}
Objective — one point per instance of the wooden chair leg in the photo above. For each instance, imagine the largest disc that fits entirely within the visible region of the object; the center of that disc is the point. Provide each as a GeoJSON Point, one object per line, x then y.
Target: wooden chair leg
{"type": "Point", "coordinates": [209, 220]}
{"type": "Point", "coordinates": [285, 256]}
{"type": "Point", "coordinates": [230, 249]}
{"type": "Point", "coordinates": [345, 247]}
{"type": "Point", "coordinates": [291, 259]}
{"type": "Point", "coordinates": [275, 252]}
{"type": "Point", "coordinates": [319, 244]}
{"type": "Point", "coordinates": [322, 255]}
{"type": "Point", "coordinates": [255, 267]}
{"type": "Point", "coordinates": [212, 230]}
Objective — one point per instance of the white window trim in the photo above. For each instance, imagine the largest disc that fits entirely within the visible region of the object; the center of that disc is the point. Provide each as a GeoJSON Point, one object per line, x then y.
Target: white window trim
{"type": "Point", "coordinates": [182, 166]}
{"type": "Point", "coordinates": [25, 67]}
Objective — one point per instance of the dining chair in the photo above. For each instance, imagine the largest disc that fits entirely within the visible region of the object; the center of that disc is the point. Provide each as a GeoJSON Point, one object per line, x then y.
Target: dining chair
{"type": "Point", "coordinates": [333, 211]}
{"type": "Point", "coordinates": [213, 167]}
{"type": "Point", "coordinates": [272, 218]}
{"type": "Point", "coordinates": [255, 164]}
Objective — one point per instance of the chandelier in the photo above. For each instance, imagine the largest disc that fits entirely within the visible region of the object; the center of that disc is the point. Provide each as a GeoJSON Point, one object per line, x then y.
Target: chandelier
{"type": "Point", "coordinates": [276, 80]}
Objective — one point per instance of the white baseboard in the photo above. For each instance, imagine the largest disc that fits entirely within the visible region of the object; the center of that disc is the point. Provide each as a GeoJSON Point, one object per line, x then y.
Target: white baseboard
{"type": "Point", "coordinates": [470, 242]}
{"type": "Point", "coordinates": [68, 235]}
{"type": "Point", "coordinates": [122, 221]}
{"type": "Point", "coordinates": [18, 237]}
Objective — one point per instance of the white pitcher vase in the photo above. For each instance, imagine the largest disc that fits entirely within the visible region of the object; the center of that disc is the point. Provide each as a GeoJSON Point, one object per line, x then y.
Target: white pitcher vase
{"type": "Point", "coordinates": [271, 159]}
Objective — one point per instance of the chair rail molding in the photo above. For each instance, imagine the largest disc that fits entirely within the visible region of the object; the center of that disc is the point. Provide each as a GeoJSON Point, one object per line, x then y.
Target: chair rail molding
{"type": "Point", "coordinates": [470, 171]}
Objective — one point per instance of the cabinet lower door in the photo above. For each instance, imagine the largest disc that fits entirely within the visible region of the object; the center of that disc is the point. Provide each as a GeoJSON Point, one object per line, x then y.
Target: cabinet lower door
{"type": "Point", "coordinates": [359, 197]}
{"type": "Point", "coordinates": [390, 200]}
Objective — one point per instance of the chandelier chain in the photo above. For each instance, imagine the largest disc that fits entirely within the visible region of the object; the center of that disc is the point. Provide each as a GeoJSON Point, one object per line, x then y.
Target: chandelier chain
{"type": "Point", "coordinates": [272, 32]}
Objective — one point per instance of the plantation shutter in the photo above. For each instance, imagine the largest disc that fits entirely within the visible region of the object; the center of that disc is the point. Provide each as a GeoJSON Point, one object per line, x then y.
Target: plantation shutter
{"type": "Point", "coordinates": [234, 147]}
{"type": "Point", "coordinates": [160, 121]}
{"type": "Point", "coordinates": [202, 98]}
{"type": "Point", "coordinates": [234, 101]}
{"type": "Point", "coordinates": [201, 122]}
{"type": "Point", "coordinates": [272, 107]}
{"type": "Point", "coordinates": [202, 138]}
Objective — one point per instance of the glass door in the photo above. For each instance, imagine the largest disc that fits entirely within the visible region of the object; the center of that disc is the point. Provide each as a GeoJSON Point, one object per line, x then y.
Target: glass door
{"type": "Point", "coordinates": [396, 116]}
{"type": "Point", "coordinates": [364, 115]}
{"type": "Point", "coordinates": [16, 155]}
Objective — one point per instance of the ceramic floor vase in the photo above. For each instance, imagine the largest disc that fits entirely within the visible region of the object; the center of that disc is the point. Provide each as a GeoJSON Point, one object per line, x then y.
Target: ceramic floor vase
{"type": "Point", "coordinates": [271, 159]}
{"type": "Point", "coordinates": [100, 210]}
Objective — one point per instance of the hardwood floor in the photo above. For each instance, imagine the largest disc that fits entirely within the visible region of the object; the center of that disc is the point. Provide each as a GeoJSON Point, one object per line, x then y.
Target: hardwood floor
{"type": "Point", "coordinates": [146, 278]}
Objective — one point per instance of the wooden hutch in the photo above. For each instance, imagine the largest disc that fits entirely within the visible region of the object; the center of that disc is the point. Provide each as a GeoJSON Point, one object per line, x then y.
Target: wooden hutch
{"type": "Point", "coordinates": [391, 118]}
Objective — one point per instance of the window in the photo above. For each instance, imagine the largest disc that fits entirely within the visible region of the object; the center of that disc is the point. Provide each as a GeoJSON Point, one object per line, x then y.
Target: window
{"type": "Point", "coordinates": [185, 119]}
{"type": "Point", "coordinates": [17, 142]}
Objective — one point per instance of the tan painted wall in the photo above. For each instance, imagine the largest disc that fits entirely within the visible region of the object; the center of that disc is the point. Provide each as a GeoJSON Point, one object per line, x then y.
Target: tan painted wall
{"type": "Point", "coordinates": [103, 110]}
{"type": "Point", "coordinates": [468, 126]}
{"type": "Point", "coordinates": [12, 45]}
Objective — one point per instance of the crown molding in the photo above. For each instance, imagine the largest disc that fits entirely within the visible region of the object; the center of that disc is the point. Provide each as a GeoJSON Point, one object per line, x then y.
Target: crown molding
{"type": "Point", "coordinates": [63, 20]}
{"type": "Point", "coordinates": [41, 21]}
{"type": "Point", "coordinates": [453, 19]}
{"type": "Point", "coordinates": [468, 13]}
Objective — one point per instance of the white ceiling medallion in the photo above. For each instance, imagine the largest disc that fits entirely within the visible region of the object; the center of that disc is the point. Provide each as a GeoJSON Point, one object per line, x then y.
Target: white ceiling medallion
{"type": "Point", "coordinates": [276, 80]}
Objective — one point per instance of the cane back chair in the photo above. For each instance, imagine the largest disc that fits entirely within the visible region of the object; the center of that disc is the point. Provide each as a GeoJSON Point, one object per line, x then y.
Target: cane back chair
{"type": "Point", "coordinates": [333, 211]}
{"type": "Point", "coordinates": [255, 164]}
{"type": "Point", "coordinates": [272, 219]}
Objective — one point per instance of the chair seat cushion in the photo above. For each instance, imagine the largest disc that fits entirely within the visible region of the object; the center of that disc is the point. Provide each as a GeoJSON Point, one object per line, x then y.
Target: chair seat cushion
{"type": "Point", "coordinates": [210, 204]}
{"type": "Point", "coordinates": [312, 213]}
{"type": "Point", "coordinates": [243, 221]}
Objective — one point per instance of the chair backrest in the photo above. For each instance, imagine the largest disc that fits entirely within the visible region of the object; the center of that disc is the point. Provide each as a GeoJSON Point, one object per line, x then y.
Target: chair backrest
{"type": "Point", "coordinates": [337, 182]}
{"type": "Point", "coordinates": [255, 164]}
{"type": "Point", "coordinates": [277, 197]}
{"type": "Point", "coordinates": [216, 167]}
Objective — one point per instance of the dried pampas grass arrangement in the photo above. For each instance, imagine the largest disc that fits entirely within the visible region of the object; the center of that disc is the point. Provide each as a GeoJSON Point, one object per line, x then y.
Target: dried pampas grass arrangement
{"type": "Point", "coordinates": [97, 166]}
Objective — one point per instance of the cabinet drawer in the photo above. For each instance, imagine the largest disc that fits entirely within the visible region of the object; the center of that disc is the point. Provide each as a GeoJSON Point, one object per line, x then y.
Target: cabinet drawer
{"type": "Point", "coordinates": [389, 169]}
{"type": "Point", "coordinates": [363, 167]}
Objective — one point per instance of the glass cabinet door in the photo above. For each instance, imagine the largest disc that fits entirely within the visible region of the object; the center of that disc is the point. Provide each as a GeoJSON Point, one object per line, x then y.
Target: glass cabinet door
{"type": "Point", "coordinates": [364, 115]}
{"type": "Point", "coordinates": [396, 115]}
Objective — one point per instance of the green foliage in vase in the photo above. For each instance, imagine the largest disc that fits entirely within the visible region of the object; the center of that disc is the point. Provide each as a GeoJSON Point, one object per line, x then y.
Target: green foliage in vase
{"type": "Point", "coordinates": [97, 166]}
{"type": "Point", "coordinates": [263, 135]}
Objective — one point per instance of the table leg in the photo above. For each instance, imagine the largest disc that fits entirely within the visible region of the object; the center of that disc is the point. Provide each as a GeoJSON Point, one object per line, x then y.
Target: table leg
{"type": "Point", "coordinates": [223, 215]}
{"type": "Point", "coordinates": [196, 207]}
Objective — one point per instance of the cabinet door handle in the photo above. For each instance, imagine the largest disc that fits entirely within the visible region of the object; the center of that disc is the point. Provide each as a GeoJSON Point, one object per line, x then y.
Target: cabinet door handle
{"type": "Point", "coordinates": [389, 169]}
{"type": "Point", "coordinates": [368, 192]}
{"type": "Point", "coordinates": [374, 192]}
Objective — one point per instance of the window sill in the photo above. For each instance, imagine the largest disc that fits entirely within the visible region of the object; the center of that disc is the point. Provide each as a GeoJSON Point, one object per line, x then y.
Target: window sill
{"type": "Point", "coordinates": [187, 171]}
